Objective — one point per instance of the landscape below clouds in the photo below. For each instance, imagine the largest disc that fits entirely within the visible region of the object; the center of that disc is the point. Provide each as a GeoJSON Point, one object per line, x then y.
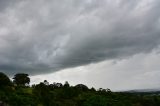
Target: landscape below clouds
{"type": "Point", "coordinates": [101, 43]}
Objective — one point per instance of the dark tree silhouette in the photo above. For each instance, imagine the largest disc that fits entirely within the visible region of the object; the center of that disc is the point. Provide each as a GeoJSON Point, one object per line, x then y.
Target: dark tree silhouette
{"type": "Point", "coordinates": [4, 80]}
{"type": "Point", "coordinates": [21, 79]}
{"type": "Point", "coordinates": [66, 84]}
{"type": "Point", "coordinates": [81, 87]}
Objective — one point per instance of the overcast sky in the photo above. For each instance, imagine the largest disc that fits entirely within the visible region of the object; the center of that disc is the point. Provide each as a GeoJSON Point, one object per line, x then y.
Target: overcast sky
{"type": "Point", "coordinates": [102, 43]}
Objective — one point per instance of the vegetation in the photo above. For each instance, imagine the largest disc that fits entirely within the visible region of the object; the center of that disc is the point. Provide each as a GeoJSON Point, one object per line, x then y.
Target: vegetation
{"type": "Point", "coordinates": [21, 79]}
{"type": "Point", "coordinates": [16, 93]}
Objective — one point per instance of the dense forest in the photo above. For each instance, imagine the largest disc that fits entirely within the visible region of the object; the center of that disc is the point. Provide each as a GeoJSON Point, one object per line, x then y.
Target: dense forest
{"type": "Point", "coordinates": [19, 93]}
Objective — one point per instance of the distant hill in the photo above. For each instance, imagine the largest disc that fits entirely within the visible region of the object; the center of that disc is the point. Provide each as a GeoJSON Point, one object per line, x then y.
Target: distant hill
{"type": "Point", "coordinates": [143, 91]}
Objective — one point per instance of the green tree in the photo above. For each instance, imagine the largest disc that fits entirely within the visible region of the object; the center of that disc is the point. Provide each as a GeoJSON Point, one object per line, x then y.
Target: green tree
{"type": "Point", "coordinates": [4, 80]}
{"type": "Point", "coordinates": [43, 94]}
{"type": "Point", "coordinates": [21, 79]}
{"type": "Point", "coordinates": [96, 100]}
{"type": "Point", "coordinates": [81, 87]}
{"type": "Point", "coordinates": [66, 84]}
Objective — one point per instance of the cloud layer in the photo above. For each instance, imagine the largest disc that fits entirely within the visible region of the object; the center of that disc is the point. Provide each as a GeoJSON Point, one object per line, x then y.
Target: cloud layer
{"type": "Point", "coordinates": [46, 36]}
{"type": "Point", "coordinates": [140, 71]}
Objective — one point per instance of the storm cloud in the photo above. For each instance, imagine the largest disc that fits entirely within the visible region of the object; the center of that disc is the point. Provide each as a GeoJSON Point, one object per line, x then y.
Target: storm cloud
{"type": "Point", "coordinates": [46, 36]}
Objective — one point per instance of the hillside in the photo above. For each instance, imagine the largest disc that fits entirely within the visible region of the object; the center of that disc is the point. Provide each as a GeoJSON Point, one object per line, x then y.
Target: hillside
{"type": "Point", "coordinates": [57, 94]}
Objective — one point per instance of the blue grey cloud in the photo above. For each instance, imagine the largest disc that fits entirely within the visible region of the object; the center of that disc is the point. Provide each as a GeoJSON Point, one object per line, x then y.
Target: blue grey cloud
{"type": "Point", "coordinates": [46, 36]}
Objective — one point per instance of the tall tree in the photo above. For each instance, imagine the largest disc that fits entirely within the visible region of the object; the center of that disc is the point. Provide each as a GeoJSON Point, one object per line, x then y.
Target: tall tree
{"type": "Point", "coordinates": [21, 79]}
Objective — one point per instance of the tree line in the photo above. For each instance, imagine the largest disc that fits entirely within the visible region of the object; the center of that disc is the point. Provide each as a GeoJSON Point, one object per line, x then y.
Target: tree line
{"type": "Point", "coordinates": [19, 93]}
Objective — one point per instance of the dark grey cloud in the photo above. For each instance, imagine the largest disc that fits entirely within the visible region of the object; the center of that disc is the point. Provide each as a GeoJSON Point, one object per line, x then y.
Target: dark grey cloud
{"type": "Point", "coordinates": [5, 3]}
{"type": "Point", "coordinates": [45, 36]}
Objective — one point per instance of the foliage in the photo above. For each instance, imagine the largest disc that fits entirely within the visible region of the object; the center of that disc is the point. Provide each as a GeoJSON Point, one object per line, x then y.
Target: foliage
{"type": "Point", "coordinates": [57, 94]}
{"type": "Point", "coordinates": [4, 80]}
{"type": "Point", "coordinates": [21, 79]}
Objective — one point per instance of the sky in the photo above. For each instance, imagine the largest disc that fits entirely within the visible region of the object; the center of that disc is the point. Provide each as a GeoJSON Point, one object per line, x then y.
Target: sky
{"type": "Point", "coordinates": [101, 43]}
